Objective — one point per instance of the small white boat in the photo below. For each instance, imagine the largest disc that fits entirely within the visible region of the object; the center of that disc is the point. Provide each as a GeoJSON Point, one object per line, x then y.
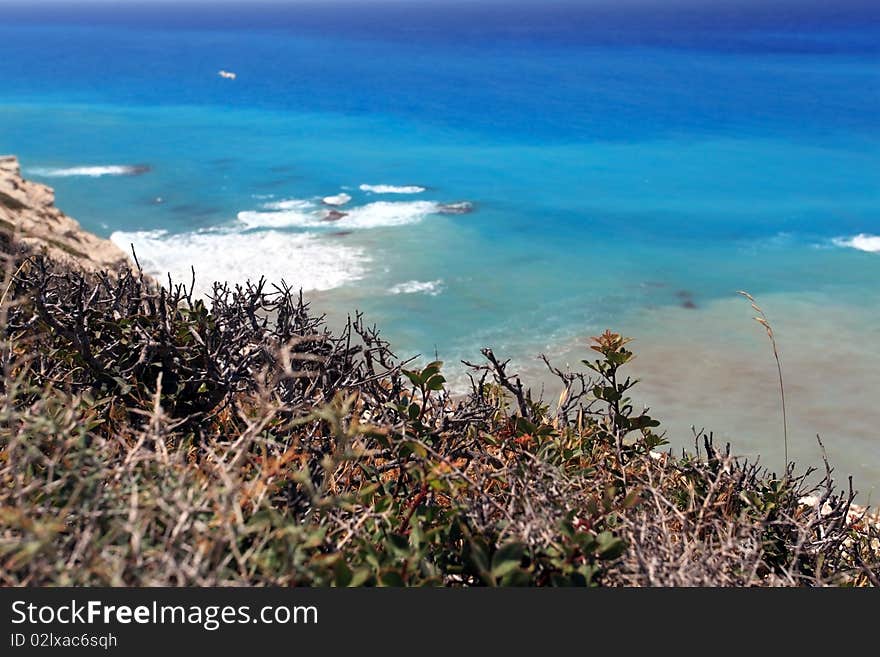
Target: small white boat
{"type": "Point", "coordinates": [228, 75]}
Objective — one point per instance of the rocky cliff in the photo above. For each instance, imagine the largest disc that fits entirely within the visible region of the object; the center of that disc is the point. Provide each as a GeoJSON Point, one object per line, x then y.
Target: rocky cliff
{"type": "Point", "coordinates": [28, 213]}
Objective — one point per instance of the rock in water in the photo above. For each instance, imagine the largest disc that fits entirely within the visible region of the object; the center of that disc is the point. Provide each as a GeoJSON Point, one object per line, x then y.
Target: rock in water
{"type": "Point", "coordinates": [138, 170]}
{"type": "Point", "coordinates": [463, 207]}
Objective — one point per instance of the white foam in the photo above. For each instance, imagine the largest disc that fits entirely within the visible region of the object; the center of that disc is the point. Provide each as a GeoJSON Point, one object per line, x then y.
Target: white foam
{"type": "Point", "coordinates": [392, 189]}
{"type": "Point", "coordinates": [303, 214]}
{"type": "Point", "coordinates": [288, 204]}
{"type": "Point", "coordinates": [386, 213]}
{"type": "Point", "coordinates": [299, 259]}
{"type": "Point", "coordinates": [89, 171]}
{"type": "Point", "coordinates": [338, 199]}
{"type": "Point", "coordinates": [432, 288]}
{"type": "Point", "coordinates": [862, 242]}
{"type": "Point", "coordinates": [282, 219]}
{"type": "Point", "coordinates": [288, 213]}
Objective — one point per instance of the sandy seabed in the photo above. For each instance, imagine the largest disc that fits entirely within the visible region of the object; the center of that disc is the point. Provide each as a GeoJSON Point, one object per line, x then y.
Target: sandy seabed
{"type": "Point", "coordinates": [712, 367]}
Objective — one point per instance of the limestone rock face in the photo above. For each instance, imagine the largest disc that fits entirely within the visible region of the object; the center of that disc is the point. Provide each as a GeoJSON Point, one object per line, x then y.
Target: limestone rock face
{"type": "Point", "coordinates": [28, 212]}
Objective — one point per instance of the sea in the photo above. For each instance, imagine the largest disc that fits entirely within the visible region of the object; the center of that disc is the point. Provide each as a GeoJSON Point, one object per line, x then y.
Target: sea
{"type": "Point", "coordinates": [518, 175]}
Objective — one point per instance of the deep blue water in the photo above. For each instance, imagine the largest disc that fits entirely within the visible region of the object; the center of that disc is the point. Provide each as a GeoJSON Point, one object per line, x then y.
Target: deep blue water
{"type": "Point", "coordinates": [614, 157]}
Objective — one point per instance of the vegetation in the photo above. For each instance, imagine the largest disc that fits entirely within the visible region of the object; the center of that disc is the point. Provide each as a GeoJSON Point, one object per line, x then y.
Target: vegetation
{"type": "Point", "coordinates": [149, 438]}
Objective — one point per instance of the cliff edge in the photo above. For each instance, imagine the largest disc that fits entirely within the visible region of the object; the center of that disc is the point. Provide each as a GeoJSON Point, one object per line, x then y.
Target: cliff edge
{"type": "Point", "coordinates": [29, 215]}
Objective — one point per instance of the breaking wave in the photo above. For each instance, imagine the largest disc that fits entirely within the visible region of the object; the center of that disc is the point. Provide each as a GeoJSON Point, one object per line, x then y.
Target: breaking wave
{"type": "Point", "coordinates": [305, 214]}
{"type": "Point", "coordinates": [302, 260]}
{"type": "Point", "coordinates": [862, 242]}
{"type": "Point", "coordinates": [431, 288]}
{"type": "Point", "coordinates": [393, 189]}
{"type": "Point", "coordinates": [91, 171]}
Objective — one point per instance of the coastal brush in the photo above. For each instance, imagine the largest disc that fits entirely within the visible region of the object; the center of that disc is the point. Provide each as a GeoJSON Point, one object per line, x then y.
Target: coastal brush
{"type": "Point", "coordinates": [761, 318]}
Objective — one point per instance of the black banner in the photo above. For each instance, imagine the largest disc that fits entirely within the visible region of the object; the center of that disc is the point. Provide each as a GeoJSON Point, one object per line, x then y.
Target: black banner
{"type": "Point", "coordinates": [397, 621]}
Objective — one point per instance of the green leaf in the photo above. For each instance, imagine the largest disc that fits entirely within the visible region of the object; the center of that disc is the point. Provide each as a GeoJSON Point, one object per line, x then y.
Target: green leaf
{"type": "Point", "coordinates": [517, 577]}
{"type": "Point", "coordinates": [436, 382]}
{"type": "Point", "coordinates": [610, 547]}
{"type": "Point", "coordinates": [390, 578]}
{"type": "Point", "coordinates": [523, 426]}
{"type": "Point", "coordinates": [414, 377]}
{"type": "Point", "coordinates": [479, 558]}
{"type": "Point", "coordinates": [398, 544]}
{"type": "Point", "coordinates": [342, 574]}
{"type": "Point", "coordinates": [507, 558]}
{"type": "Point", "coordinates": [431, 369]}
{"type": "Point", "coordinates": [360, 576]}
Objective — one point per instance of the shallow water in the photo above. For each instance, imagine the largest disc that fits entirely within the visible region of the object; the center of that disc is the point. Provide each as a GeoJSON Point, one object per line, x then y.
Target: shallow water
{"type": "Point", "coordinates": [713, 369]}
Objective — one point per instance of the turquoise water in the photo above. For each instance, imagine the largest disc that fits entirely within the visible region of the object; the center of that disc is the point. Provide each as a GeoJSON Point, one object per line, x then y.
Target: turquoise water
{"type": "Point", "coordinates": [613, 164]}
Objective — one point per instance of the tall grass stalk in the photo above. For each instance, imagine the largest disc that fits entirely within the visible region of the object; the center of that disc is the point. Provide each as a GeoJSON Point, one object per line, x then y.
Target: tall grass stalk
{"type": "Point", "coordinates": [761, 318]}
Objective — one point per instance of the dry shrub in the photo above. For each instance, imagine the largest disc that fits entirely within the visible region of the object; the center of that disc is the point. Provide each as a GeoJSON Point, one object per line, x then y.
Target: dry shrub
{"type": "Point", "coordinates": [148, 438]}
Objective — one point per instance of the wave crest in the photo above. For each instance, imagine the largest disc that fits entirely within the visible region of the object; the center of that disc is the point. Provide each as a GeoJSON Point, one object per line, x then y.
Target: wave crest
{"type": "Point", "coordinates": [862, 242]}
{"type": "Point", "coordinates": [301, 260]}
{"type": "Point", "coordinates": [387, 213]}
{"type": "Point", "coordinates": [431, 288]}
{"type": "Point", "coordinates": [337, 199]}
{"type": "Point", "coordinates": [304, 214]}
{"type": "Point", "coordinates": [91, 171]}
{"type": "Point", "coordinates": [393, 189]}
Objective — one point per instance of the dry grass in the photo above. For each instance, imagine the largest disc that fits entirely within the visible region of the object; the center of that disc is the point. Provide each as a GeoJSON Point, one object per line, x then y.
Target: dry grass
{"type": "Point", "coordinates": [763, 321]}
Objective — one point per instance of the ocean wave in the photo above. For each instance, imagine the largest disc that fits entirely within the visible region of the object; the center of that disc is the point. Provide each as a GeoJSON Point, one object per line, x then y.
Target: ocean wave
{"type": "Point", "coordinates": [91, 171]}
{"type": "Point", "coordinates": [393, 189]}
{"type": "Point", "coordinates": [338, 199]}
{"type": "Point", "coordinates": [432, 288]}
{"type": "Point", "coordinates": [304, 214]}
{"type": "Point", "coordinates": [288, 204]}
{"type": "Point", "coordinates": [287, 213]}
{"type": "Point", "coordinates": [386, 213]}
{"type": "Point", "coordinates": [862, 242]}
{"type": "Point", "coordinates": [301, 260]}
{"type": "Point", "coordinates": [280, 219]}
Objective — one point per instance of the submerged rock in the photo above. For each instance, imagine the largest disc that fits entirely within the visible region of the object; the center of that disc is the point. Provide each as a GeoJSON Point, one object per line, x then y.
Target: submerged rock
{"type": "Point", "coordinates": [334, 215]}
{"type": "Point", "coordinates": [686, 297]}
{"type": "Point", "coordinates": [138, 170]}
{"type": "Point", "coordinates": [462, 207]}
